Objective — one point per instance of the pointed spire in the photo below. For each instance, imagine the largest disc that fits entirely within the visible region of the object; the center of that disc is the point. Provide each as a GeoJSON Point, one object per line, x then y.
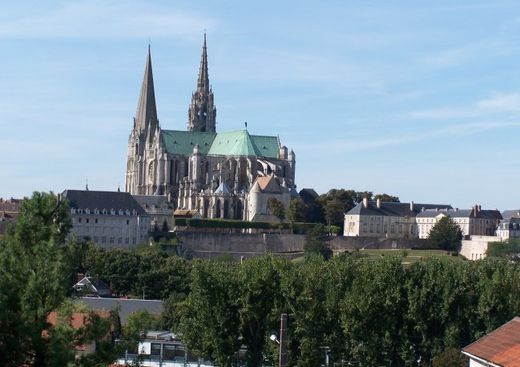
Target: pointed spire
{"type": "Point", "coordinates": [146, 110]}
{"type": "Point", "coordinates": [203, 81]}
{"type": "Point", "coordinates": [202, 112]}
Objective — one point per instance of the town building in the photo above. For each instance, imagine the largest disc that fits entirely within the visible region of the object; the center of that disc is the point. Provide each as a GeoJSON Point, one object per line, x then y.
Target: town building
{"type": "Point", "coordinates": [509, 228]}
{"type": "Point", "coordinates": [9, 209]}
{"type": "Point", "coordinates": [474, 221]}
{"type": "Point", "coordinates": [380, 219]}
{"type": "Point", "coordinates": [202, 169]}
{"type": "Point", "coordinates": [109, 218]}
{"type": "Point", "coordinates": [500, 348]}
{"type": "Point", "coordinates": [159, 210]}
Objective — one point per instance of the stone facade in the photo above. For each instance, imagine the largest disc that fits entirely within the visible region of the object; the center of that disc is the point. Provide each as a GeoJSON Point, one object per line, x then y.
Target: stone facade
{"type": "Point", "coordinates": [379, 219]}
{"type": "Point", "coordinates": [200, 169]}
{"type": "Point", "coordinates": [474, 221]}
{"type": "Point", "coordinates": [110, 219]}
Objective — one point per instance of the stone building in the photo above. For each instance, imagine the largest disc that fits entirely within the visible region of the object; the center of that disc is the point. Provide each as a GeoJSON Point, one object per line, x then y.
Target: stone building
{"type": "Point", "coordinates": [110, 219]}
{"type": "Point", "coordinates": [474, 221]}
{"type": "Point", "coordinates": [381, 219]}
{"type": "Point", "coordinates": [201, 169]}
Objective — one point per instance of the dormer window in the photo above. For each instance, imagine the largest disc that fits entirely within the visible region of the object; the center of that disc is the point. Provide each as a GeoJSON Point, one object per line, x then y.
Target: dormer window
{"type": "Point", "coordinates": [104, 211]}
{"type": "Point", "coordinates": [72, 211]}
{"type": "Point", "coordinates": [96, 211]}
{"type": "Point", "coordinates": [121, 212]}
{"type": "Point", "coordinates": [87, 211]}
{"type": "Point", "coordinates": [112, 211]}
{"type": "Point", "coordinates": [127, 212]}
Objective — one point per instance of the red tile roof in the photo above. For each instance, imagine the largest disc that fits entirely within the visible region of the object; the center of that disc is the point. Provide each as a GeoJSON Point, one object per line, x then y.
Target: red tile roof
{"type": "Point", "coordinates": [501, 346]}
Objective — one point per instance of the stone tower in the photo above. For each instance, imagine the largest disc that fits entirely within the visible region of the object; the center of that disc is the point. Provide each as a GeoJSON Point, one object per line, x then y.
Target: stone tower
{"type": "Point", "coordinates": [139, 173]}
{"type": "Point", "coordinates": [202, 112]}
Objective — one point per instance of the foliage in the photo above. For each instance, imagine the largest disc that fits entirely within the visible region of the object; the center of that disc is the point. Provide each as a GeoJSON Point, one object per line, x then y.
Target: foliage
{"type": "Point", "coordinates": [509, 249]}
{"type": "Point", "coordinates": [297, 210]}
{"type": "Point", "coordinates": [210, 321]}
{"type": "Point", "coordinates": [32, 268]}
{"type": "Point", "coordinates": [451, 357]}
{"type": "Point", "coordinates": [276, 208]}
{"type": "Point", "coordinates": [314, 243]}
{"type": "Point", "coordinates": [445, 234]}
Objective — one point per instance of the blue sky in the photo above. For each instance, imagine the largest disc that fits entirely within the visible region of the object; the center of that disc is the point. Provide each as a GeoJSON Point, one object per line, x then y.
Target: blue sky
{"type": "Point", "coordinates": [418, 99]}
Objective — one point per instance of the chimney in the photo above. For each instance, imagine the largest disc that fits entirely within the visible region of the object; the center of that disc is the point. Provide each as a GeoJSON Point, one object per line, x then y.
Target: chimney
{"type": "Point", "coordinates": [378, 202]}
{"type": "Point", "coordinates": [411, 206]}
{"type": "Point", "coordinates": [365, 202]}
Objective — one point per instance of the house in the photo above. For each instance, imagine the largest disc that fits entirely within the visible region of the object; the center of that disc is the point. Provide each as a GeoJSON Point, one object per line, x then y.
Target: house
{"type": "Point", "coordinates": [90, 286]}
{"type": "Point", "coordinates": [109, 218]}
{"type": "Point", "coordinates": [158, 208]}
{"type": "Point", "coordinates": [500, 348]}
{"type": "Point", "coordinates": [380, 219]}
{"type": "Point", "coordinates": [509, 228]}
{"type": "Point", "coordinates": [474, 221]}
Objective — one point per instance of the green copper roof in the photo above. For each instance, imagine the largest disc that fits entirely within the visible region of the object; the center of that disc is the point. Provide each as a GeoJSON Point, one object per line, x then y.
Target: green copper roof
{"type": "Point", "coordinates": [183, 142]}
{"type": "Point", "coordinates": [233, 143]}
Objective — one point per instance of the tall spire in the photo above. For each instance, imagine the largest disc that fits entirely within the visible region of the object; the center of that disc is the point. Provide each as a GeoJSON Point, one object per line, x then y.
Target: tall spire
{"type": "Point", "coordinates": [203, 82]}
{"type": "Point", "coordinates": [202, 112]}
{"type": "Point", "coordinates": [146, 114]}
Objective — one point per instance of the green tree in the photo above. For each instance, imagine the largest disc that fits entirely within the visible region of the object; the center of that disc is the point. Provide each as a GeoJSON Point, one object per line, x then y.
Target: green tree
{"type": "Point", "coordinates": [451, 357]}
{"type": "Point", "coordinates": [446, 234]}
{"type": "Point", "coordinates": [210, 321]}
{"type": "Point", "coordinates": [509, 249]}
{"type": "Point", "coordinates": [296, 211]}
{"type": "Point", "coordinates": [32, 273]}
{"type": "Point", "coordinates": [276, 208]}
{"type": "Point", "coordinates": [387, 198]}
{"type": "Point", "coordinates": [314, 243]}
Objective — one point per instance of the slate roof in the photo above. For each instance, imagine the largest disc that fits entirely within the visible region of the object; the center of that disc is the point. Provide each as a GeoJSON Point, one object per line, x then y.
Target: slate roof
{"type": "Point", "coordinates": [268, 184]}
{"type": "Point", "coordinates": [233, 143]}
{"type": "Point", "coordinates": [464, 213]}
{"type": "Point", "coordinates": [501, 346]}
{"type": "Point", "coordinates": [506, 214]}
{"type": "Point", "coordinates": [392, 209]}
{"type": "Point", "coordinates": [86, 199]}
{"type": "Point", "coordinates": [127, 306]}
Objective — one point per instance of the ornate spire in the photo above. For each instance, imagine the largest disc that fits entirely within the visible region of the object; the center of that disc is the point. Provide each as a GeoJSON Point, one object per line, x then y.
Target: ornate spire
{"type": "Point", "coordinates": [146, 114]}
{"type": "Point", "coordinates": [203, 82]}
{"type": "Point", "coordinates": [202, 112]}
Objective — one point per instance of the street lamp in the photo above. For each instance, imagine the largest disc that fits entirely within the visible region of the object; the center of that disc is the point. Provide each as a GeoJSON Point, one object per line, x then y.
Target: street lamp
{"type": "Point", "coordinates": [282, 342]}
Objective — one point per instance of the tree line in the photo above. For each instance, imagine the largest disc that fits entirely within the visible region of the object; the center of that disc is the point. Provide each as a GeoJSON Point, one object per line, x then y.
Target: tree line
{"type": "Point", "coordinates": [370, 311]}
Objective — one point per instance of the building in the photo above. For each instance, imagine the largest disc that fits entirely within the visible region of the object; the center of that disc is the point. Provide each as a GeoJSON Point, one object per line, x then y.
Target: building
{"type": "Point", "coordinates": [380, 219]}
{"type": "Point", "coordinates": [474, 221]}
{"type": "Point", "coordinates": [109, 218]}
{"type": "Point", "coordinates": [500, 348]}
{"type": "Point", "coordinates": [9, 209]}
{"type": "Point", "coordinates": [201, 169]}
{"type": "Point", "coordinates": [158, 208]}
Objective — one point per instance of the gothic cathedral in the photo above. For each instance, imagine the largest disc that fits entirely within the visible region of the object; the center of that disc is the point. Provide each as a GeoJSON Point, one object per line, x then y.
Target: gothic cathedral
{"type": "Point", "coordinates": [221, 175]}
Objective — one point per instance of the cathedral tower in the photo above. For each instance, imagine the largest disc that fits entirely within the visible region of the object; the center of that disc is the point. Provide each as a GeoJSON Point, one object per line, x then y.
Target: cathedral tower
{"type": "Point", "coordinates": [145, 129]}
{"type": "Point", "coordinates": [202, 112]}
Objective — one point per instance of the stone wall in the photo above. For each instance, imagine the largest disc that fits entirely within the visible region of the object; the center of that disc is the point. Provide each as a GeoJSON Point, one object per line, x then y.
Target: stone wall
{"type": "Point", "coordinates": [237, 245]}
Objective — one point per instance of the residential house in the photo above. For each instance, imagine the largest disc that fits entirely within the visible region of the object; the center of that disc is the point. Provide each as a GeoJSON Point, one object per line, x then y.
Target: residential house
{"type": "Point", "coordinates": [500, 348]}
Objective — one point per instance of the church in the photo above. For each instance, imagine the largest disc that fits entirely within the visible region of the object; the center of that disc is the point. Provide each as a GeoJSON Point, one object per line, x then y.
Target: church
{"type": "Point", "coordinates": [219, 174]}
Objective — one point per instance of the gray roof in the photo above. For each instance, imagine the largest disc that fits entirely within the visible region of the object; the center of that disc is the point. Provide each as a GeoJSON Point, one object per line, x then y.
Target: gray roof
{"type": "Point", "coordinates": [127, 306]}
{"type": "Point", "coordinates": [86, 199]}
{"type": "Point", "coordinates": [393, 209]}
{"type": "Point", "coordinates": [461, 213]}
{"type": "Point", "coordinates": [511, 213]}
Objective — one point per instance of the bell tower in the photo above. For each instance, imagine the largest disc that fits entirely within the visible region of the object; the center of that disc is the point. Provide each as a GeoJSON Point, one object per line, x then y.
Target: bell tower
{"type": "Point", "coordinates": [202, 112]}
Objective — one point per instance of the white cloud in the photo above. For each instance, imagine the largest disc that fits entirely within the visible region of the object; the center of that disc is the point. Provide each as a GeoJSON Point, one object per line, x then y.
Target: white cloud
{"type": "Point", "coordinates": [501, 102]}
{"type": "Point", "coordinates": [100, 19]}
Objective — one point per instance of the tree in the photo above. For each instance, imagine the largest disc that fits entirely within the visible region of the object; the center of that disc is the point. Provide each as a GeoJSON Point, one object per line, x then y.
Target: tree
{"type": "Point", "coordinates": [451, 357]}
{"type": "Point", "coordinates": [314, 243]}
{"type": "Point", "coordinates": [387, 198]}
{"type": "Point", "coordinates": [297, 210]}
{"type": "Point", "coordinates": [210, 321]}
{"type": "Point", "coordinates": [32, 273]}
{"type": "Point", "coordinates": [276, 208]}
{"type": "Point", "coordinates": [509, 249]}
{"type": "Point", "coordinates": [446, 234]}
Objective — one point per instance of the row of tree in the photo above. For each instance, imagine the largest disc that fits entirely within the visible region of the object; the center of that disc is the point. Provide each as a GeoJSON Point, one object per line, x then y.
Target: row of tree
{"type": "Point", "coordinates": [368, 311]}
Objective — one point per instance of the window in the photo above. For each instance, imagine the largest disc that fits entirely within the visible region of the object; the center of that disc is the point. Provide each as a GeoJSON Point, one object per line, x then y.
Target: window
{"type": "Point", "coordinates": [104, 239]}
{"type": "Point", "coordinates": [111, 239]}
{"type": "Point", "coordinates": [120, 240]}
{"type": "Point", "coordinates": [127, 221]}
{"type": "Point", "coordinates": [127, 240]}
{"type": "Point", "coordinates": [79, 220]}
{"type": "Point", "coordinates": [87, 220]}
{"type": "Point", "coordinates": [95, 220]}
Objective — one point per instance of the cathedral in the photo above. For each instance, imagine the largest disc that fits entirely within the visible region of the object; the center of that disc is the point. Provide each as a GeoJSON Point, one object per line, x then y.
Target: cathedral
{"type": "Point", "coordinates": [219, 174]}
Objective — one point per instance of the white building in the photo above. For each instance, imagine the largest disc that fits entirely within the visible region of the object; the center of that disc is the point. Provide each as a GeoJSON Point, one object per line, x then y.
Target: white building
{"type": "Point", "coordinates": [381, 219]}
{"type": "Point", "coordinates": [474, 221]}
{"type": "Point", "coordinates": [109, 218]}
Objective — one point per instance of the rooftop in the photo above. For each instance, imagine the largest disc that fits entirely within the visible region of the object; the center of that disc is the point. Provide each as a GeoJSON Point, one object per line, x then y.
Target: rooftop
{"type": "Point", "coordinates": [501, 346]}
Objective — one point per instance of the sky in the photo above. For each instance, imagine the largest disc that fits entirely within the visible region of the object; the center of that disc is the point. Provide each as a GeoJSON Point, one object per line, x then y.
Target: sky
{"type": "Point", "coordinates": [419, 99]}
